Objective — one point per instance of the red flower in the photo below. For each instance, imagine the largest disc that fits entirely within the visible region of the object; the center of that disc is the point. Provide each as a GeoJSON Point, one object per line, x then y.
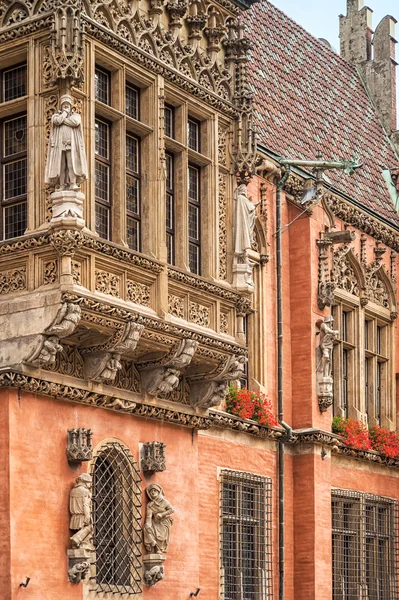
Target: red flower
{"type": "Point", "coordinates": [355, 434]}
{"type": "Point", "coordinates": [385, 441]}
{"type": "Point", "coordinates": [249, 404]}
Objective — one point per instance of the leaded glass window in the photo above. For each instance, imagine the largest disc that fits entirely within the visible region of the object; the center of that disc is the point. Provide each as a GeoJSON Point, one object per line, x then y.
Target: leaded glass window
{"type": "Point", "coordinates": [13, 83]}
{"type": "Point", "coordinates": [102, 178]}
{"type": "Point", "coordinates": [14, 176]}
{"type": "Point", "coordinates": [133, 208]}
{"type": "Point", "coordinates": [170, 209]}
{"type": "Point", "coordinates": [102, 85]}
{"type": "Point", "coordinates": [194, 220]}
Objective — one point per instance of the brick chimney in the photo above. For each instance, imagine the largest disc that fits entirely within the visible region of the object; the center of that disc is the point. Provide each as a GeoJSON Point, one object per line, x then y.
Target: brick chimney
{"type": "Point", "coordinates": [374, 56]}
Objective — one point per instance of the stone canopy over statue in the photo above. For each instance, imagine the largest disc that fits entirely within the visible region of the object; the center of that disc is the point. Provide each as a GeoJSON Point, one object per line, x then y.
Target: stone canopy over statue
{"type": "Point", "coordinates": [66, 166]}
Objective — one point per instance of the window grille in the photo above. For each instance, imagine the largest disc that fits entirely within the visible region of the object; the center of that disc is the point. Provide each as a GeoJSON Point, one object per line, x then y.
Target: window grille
{"type": "Point", "coordinates": [116, 521]}
{"type": "Point", "coordinates": [246, 506]}
{"type": "Point", "coordinates": [364, 546]}
{"type": "Point", "coordinates": [13, 176]}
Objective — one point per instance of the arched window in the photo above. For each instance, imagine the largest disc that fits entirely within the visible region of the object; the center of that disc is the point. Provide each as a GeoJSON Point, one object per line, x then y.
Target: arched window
{"type": "Point", "coordinates": [116, 520]}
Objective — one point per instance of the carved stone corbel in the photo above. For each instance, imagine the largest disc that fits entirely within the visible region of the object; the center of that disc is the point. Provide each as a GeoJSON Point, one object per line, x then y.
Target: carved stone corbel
{"type": "Point", "coordinates": [66, 321]}
{"type": "Point", "coordinates": [163, 376]}
{"type": "Point", "coordinates": [130, 338]}
{"type": "Point", "coordinates": [212, 388]}
{"type": "Point", "coordinates": [46, 352]}
{"type": "Point", "coordinates": [67, 42]}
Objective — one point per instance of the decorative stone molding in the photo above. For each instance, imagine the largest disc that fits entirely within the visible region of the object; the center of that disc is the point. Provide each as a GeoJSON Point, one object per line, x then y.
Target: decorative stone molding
{"type": "Point", "coordinates": [66, 241]}
{"type": "Point", "coordinates": [224, 323]}
{"type": "Point", "coordinates": [50, 272]}
{"type": "Point", "coordinates": [199, 314]}
{"type": "Point", "coordinates": [13, 280]}
{"type": "Point", "coordinates": [107, 283]}
{"type": "Point", "coordinates": [324, 355]}
{"type": "Point", "coordinates": [176, 306]}
{"type": "Point", "coordinates": [222, 208]}
{"type": "Point", "coordinates": [344, 276]}
{"type": "Point", "coordinates": [79, 448]}
{"type": "Point", "coordinates": [211, 389]}
{"type": "Point", "coordinates": [67, 42]}
{"type": "Point", "coordinates": [153, 457]}
{"type": "Point", "coordinates": [30, 243]}
{"type": "Point", "coordinates": [127, 378]}
{"type": "Point", "coordinates": [137, 292]}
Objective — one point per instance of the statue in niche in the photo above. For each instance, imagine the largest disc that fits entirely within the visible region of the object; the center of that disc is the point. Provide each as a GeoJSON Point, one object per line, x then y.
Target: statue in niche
{"type": "Point", "coordinates": [158, 520]}
{"type": "Point", "coordinates": [80, 509]}
{"type": "Point", "coordinates": [245, 221]}
{"type": "Point", "coordinates": [328, 335]}
{"type": "Point", "coordinates": [66, 166]}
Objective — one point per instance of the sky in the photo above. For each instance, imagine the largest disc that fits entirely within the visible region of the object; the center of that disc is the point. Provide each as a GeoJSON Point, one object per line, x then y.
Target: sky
{"type": "Point", "coordinates": [320, 18]}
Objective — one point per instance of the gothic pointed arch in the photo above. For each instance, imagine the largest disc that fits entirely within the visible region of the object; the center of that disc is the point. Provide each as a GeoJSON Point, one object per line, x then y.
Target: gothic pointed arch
{"type": "Point", "coordinates": [260, 241]}
{"type": "Point", "coordinates": [126, 32]}
{"type": "Point", "coordinates": [103, 16]}
{"type": "Point", "coordinates": [380, 289]}
{"type": "Point", "coordinates": [16, 13]}
{"type": "Point", "coordinates": [348, 273]}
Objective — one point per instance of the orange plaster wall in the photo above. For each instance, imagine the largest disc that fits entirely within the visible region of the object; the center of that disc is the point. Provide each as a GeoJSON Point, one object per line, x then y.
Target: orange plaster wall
{"type": "Point", "coordinates": [40, 484]}
{"type": "Point", "coordinates": [215, 453]}
{"type": "Point", "coordinates": [5, 591]}
{"type": "Point", "coordinates": [363, 480]}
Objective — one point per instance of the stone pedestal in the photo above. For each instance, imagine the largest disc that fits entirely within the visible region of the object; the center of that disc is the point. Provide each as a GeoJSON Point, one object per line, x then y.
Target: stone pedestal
{"type": "Point", "coordinates": [325, 386]}
{"type": "Point", "coordinates": [153, 568]}
{"type": "Point", "coordinates": [78, 563]}
{"type": "Point", "coordinates": [67, 208]}
{"type": "Point", "coordinates": [242, 273]}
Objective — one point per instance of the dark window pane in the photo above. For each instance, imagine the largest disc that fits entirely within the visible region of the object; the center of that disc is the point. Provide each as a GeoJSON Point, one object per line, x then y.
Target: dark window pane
{"type": "Point", "coordinates": [193, 258]}
{"type": "Point", "coordinates": [132, 153]}
{"type": "Point", "coordinates": [132, 102]}
{"type": "Point", "coordinates": [102, 86]}
{"type": "Point", "coordinates": [193, 222]}
{"type": "Point", "coordinates": [15, 139]}
{"type": "Point", "coordinates": [193, 184]}
{"type": "Point", "coordinates": [15, 220]}
{"type": "Point", "coordinates": [132, 194]}
{"type": "Point", "coordinates": [193, 135]}
{"type": "Point", "coordinates": [170, 248]}
{"type": "Point", "coordinates": [14, 83]}
{"type": "Point", "coordinates": [102, 139]}
{"type": "Point", "coordinates": [169, 121]}
{"type": "Point", "coordinates": [102, 221]}
{"type": "Point", "coordinates": [102, 181]}
{"type": "Point", "coordinates": [133, 233]}
{"type": "Point", "coordinates": [169, 172]}
{"type": "Point", "coordinates": [169, 211]}
{"type": "Point", "coordinates": [15, 178]}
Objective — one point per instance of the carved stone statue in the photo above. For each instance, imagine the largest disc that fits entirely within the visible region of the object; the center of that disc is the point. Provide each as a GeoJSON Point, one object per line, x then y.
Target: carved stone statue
{"type": "Point", "coordinates": [46, 353]}
{"type": "Point", "coordinates": [245, 220]}
{"type": "Point", "coordinates": [184, 354]}
{"type": "Point", "coordinates": [66, 166]}
{"type": "Point", "coordinates": [153, 575]}
{"type": "Point", "coordinates": [164, 381]}
{"type": "Point", "coordinates": [80, 509]}
{"type": "Point", "coordinates": [102, 367]}
{"type": "Point", "coordinates": [158, 520]}
{"type": "Point", "coordinates": [327, 339]}
{"type": "Point", "coordinates": [66, 321]}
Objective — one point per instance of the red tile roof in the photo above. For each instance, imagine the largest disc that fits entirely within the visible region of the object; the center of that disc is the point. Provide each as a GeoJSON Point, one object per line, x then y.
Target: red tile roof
{"type": "Point", "coordinates": [308, 98]}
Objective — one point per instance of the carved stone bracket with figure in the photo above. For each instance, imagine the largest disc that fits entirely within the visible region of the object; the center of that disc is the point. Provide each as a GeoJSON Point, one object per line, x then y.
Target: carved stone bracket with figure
{"type": "Point", "coordinates": [213, 387]}
{"type": "Point", "coordinates": [49, 345]}
{"type": "Point", "coordinates": [156, 532]}
{"type": "Point", "coordinates": [163, 376]}
{"type": "Point", "coordinates": [324, 374]}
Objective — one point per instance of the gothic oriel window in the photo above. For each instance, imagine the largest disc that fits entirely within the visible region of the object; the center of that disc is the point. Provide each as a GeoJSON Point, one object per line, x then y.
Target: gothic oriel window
{"type": "Point", "coordinates": [364, 546]}
{"type": "Point", "coordinates": [245, 536]}
{"type": "Point", "coordinates": [116, 521]}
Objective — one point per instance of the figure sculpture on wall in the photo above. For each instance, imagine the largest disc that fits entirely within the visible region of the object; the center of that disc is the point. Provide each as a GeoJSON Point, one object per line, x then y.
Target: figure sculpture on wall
{"type": "Point", "coordinates": [66, 166]}
{"type": "Point", "coordinates": [158, 520]}
{"type": "Point", "coordinates": [325, 382]}
{"type": "Point", "coordinates": [328, 335]}
{"type": "Point", "coordinates": [244, 234]}
{"type": "Point", "coordinates": [80, 509]}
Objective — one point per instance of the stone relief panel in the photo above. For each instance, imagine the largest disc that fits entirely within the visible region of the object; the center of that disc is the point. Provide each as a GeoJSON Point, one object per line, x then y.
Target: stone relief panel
{"type": "Point", "coordinates": [50, 272]}
{"type": "Point", "coordinates": [200, 314]}
{"type": "Point", "coordinates": [222, 209]}
{"type": "Point", "coordinates": [176, 305]}
{"type": "Point", "coordinates": [13, 280]}
{"type": "Point", "coordinates": [137, 292]}
{"type": "Point", "coordinates": [107, 283]}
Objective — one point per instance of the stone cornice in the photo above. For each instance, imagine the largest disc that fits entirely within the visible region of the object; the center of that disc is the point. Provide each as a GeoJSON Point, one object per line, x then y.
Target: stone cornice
{"type": "Point", "coordinates": [25, 28]}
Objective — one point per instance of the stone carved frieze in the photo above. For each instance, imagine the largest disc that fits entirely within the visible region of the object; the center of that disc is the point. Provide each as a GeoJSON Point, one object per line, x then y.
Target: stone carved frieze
{"type": "Point", "coordinates": [211, 389]}
{"type": "Point", "coordinates": [163, 376]}
{"type": "Point", "coordinates": [324, 375]}
{"type": "Point", "coordinates": [137, 292]}
{"type": "Point", "coordinates": [199, 314]}
{"type": "Point", "coordinates": [128, 377]}
{"type": "Point", "coordinates": [13, 280]}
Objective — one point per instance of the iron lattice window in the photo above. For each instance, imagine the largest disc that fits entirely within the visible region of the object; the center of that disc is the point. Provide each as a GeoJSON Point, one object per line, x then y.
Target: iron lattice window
{"type": "Point", "coordinates": [365, 546]}
{"type": "Point", "coordinates": [246, 504]}
{"type": "Point", "coordinates": [116, 521]}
